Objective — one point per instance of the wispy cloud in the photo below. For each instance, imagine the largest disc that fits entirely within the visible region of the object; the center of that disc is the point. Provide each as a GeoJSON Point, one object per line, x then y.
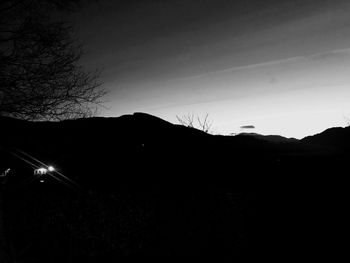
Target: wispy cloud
{"type": "Point", "coordinates": [336, 52]}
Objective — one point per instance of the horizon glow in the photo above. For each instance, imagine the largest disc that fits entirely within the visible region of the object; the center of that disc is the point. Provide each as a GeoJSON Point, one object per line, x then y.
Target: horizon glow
{"type": "Point", "coordinates": [293, 98]}
{"type": "Point", "coordinates": [281, 66]}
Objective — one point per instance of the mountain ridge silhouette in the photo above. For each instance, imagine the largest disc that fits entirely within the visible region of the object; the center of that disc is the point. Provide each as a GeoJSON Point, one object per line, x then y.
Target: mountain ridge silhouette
{"type": "Point", "coordinates": [150, 187]}
{"type": "Point", "coordinates": [271, 138]}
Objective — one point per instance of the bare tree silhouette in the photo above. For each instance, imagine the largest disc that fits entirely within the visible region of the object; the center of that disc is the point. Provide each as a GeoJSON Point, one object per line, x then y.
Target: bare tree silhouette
{"type": "Point", "coordinates": [191, 121]}
{"type": "Point", "coordinates": [40, 74]}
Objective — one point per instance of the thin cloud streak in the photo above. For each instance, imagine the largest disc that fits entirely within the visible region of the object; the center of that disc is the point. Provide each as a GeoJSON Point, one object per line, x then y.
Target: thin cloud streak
{"type": "Point", "coordinates": [248, 127]}
{"type": "Point", "coordinates": [269, 63]}
{"type": "Point", "coordinates": [300, 59]}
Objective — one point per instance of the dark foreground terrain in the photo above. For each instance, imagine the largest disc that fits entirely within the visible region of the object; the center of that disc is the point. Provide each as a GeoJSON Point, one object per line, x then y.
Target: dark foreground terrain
{"type": "Point", "coordinates": [137, 185]}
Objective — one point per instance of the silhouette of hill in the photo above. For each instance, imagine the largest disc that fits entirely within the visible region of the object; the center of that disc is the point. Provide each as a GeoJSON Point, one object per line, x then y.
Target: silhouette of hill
{"type": "Point", "coordinates": [334, 139]}
{"type": "Point", "coordinates": [139, 185]}
{"type": "Point", "coordinates": [269, 138]}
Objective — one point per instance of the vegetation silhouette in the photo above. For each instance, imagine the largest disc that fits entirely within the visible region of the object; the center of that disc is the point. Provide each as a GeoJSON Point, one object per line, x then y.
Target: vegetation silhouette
{"type": "Point", "coordinates": [151, 188]}
{"type": "Point", "coordinates": [199, 123]}
{"type": "Point", "coordinates": [40, 74]}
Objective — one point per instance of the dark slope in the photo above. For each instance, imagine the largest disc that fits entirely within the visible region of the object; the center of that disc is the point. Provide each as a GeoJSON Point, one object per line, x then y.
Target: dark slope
{"type": "Point", "coordinates": [269, 138]}
{"type": "Point", "coordinates": [148, 187]}
{"type": "Point", "coordinates": [106, 144]}
{"type": "Point", "coordinates": [335, 139]}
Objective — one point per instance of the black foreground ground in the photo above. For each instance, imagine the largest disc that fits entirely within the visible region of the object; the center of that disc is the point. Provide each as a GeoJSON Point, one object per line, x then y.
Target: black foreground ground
{"type": "Point", "coordinates": [140, 186]}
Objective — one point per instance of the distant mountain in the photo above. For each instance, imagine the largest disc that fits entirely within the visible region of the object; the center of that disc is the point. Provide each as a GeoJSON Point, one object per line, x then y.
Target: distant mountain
{"type": "Point", "coordinates": [82, 145]}
{"type": "Point", "coordinates": [126, 134]}
{"type": "Point", "coordinates": [335, 139]}
{"type": "Point", "coordinates": [269, 138]}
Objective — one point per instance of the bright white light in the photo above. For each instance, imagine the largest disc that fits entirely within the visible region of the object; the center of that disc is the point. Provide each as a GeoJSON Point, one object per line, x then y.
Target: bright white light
{"type": "Point", "coordinates": [51, 168]}
{"type": "Point", "coordinates": [42, 181]}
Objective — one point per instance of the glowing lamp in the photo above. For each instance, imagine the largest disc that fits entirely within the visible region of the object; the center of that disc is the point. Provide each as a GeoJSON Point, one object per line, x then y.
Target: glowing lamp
{"type": "Point", "coordinates": [51, 168]}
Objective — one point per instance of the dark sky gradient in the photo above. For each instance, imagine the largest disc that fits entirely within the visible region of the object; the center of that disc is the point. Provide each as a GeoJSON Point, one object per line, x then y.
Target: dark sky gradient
{"type": "Point", "coordinates": [279, 65]}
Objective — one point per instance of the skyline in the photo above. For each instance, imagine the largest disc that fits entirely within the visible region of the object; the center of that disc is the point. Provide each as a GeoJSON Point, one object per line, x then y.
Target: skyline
{"type": "Point", "coordinates": [281, 66]}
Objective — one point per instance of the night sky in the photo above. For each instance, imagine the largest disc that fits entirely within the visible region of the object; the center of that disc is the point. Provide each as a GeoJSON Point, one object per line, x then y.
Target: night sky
{"type": "Point", "coordinates": [281, 66]}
